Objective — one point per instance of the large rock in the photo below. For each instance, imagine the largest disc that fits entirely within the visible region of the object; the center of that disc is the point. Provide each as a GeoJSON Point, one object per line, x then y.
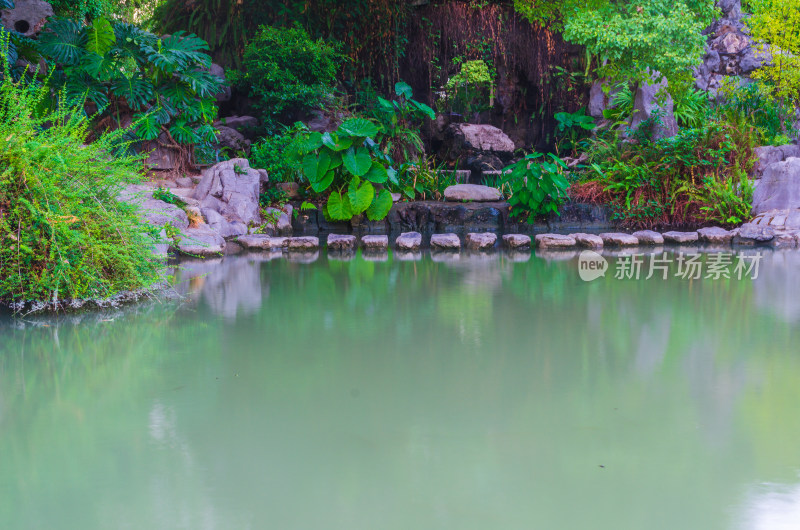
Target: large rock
{"type": "Point", "coordinates": [618, 239]}
{"type": "Point", "coordinates": [776, 228]}
{"type": "Point", "coordinates": [547, 241]}
{"type": "Point", "coordinates": [374, 243]}
{"type": "Point", "coordinates": [28, 16]}
{"type": "Point", "coordinates": [588, 240]}
{"type": "Point", "coordinates": [482, 241]}
{"type": "Point", "coordinates": [231, 188]}
{"type": "Point", "coordinates": [779, 188]}
{"type": "Point", "coordinates": [769, 154]}
{"type": "Point", "coordinates": [472, 192]}
{"type": "Point", "coordinates": [599, 99]}
{"type": "Point", "coordinates": [225, 94]}
{"type": "Point", "coordinates": [153, 211]}
{"type": "Point", "coordinates": [715, 235]}
{"type": "Point", "coordinates": [341, 242]}
{"type": "Point", "coordinates": [680, 238]}
{"type": "Point", "coordinates": [201, 241]}
{"type": "Point", "coordinates": [221, 225]}
{"type": "Point", "coordinates": [485, 138]}
{"type": "Point", "coordinates": [445, 242]}
{"type": "Point", "coordinates": [160, 156]}
{"type": "Point", "coordinates": [648, 237]}
{"type": "Point", "coordinates": [229, 138]}
{"type": "Point", "coordinates": [247, 126]}
{"type": "Point", "coordinates": [516, 241]}
{"type": "Point", "coordinates": [409, 241]}
{"type": "Point", "coordinates": [653, 99]}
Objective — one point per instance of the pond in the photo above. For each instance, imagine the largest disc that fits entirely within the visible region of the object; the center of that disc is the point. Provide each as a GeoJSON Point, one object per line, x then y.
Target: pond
{"type": "Point", "coordinates": [490, 391]}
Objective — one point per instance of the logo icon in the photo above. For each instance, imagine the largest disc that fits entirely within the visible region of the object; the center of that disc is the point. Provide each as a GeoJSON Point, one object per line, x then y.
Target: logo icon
{"type": "Point", "coordinates": [591, 265]}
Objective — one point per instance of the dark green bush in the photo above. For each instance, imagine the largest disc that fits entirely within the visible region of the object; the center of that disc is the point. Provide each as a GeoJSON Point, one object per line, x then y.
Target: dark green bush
{"type": "Point", "coordinates": [273, 153]}
{"type": "Point", "coordinates": [63, 233]}
{"type": "Point", "coordinates": [286, 71]}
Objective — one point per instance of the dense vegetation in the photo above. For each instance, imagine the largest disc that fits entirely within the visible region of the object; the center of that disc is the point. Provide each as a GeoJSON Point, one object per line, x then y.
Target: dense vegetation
{"type": "Point", "coordinates": [63, 233]}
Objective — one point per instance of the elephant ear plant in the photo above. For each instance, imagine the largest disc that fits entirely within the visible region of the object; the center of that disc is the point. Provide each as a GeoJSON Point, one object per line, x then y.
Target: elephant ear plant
{"type": "Point", "coordinates": [348, 164]}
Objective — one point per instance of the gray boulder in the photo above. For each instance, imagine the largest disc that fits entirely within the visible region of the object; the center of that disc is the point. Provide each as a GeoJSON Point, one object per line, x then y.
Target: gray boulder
{"type": "Point", "coordinates": [28, 16]}
{"type": "Point", "coordinates": [779, 187]}
{"type": "Point", "coordinates": [648, 237]}
{"type": "Point", "coordinates": [483, 241]}
{"type": "Point", "coordinates": [472, 192]}
{"type": "Point", "coordinates": [475, 137]}
{"type": "Point", "coordinates": [618, 239]}
{"type": "Point", "coordinates": [303, 243]}
{"type": "Point", "coordinates": [231, 188]}
{"type": "Point", "coordinates": [546, 241]}
{"type": "Point", "coordinates": [341, 242]}
{"type": "Point", "coordinates": [154, 211]}
{"type": "Point", "coordinates": [225, 94]}
{"type": "Point", "coordinates": [201, 241]}
{"type": "Point", "coordinates": [409, 241]}
{"type": "Point", "coordinates": [375, 242]}
{"type": "Point", "coordinates": [769, 154]}
{"type": "Point", "coordinates": [221, 225]}
{"type": "Point", "coordinates": [680, 238]}
{"type": "Point", "coordinates": [715, 235]}
{"type": "Point", "coordinates": [599, 100]}
{"type": "Point", "coordinates": [653, 99]}
{"type": "Point", "coordinates": [229, 138]}
{"type": "Point", "coordinates": [516, 241]}
{"type": "Point", "coordinates": [247, 126]}
{"type": "Point", "coordinates": [588, 240]}
{"type": "Point", "coordinates": [445, 242]}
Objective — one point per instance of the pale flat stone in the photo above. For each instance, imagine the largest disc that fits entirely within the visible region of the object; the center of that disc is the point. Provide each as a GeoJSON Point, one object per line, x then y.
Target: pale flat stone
{"type": "Point", "coordinates": [481, 241]}
{"type": "Point", "coordinates": [618, 239]}
{"type": "Point", "coordinates": [375, 242]}
{"type": "Point", "coordinates": [201, 241]}
{"type": "Point", "coordinates": [588, 240]}
{"type": "Point", "coordinates": [303, 243]}
{"type": "Point", "coordinates": [445, 242]}
{"type": "Point", "coordinates": [472, 192]}
{"type": "Point", "coordinates": [341, 242]}
{"type": "Point", "coordinates": [409, 241]}
{"type": "Point", "coordinates": [255, 241]}
{"type": "Point", "coordinates": [648, 237]}
{"type": "Point", "coordinates": [681, 237]}
{"type": "Point", "coordinates": [544, 241]}
{"type": "Point", "coordinates": [714, 235]}
{"type": "Point", "coordinates": [516, 241]}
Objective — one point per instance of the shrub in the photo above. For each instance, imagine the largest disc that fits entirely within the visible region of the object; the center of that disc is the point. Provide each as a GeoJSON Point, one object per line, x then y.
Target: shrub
{"type": "Point", "coordinates": [124, 70]}
{"type": "Point", "coordinates": [63, 233]}
{"type": "Point", "coordinates": [401, 120]}
{"type": "Point", "coordinates": [335, 163]}
{"type": "Point", "coordinates": [538, 186]}
{"type": "Point", "coordinates": [286, 71]}
{"type": "Point", "coordinates": [274, 153]}
{"type": "Point", "coordinates": [469, 91]}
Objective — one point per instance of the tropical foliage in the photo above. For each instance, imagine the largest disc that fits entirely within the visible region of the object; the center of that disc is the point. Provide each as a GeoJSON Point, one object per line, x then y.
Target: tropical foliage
{"type": "Point", "coordinates": [63, 233]}
{"type": "Point", "coordinates": [538, 186]}
{"type": "Point", "coordinates": [347, 164]}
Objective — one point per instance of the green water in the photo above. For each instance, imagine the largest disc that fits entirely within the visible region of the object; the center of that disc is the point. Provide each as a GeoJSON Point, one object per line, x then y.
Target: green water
{"type": "Point", "coordinates": [483, 393]}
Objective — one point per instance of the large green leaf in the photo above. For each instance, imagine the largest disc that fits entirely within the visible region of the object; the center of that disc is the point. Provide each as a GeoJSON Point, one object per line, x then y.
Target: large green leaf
{"type": "Point", "coordinates": [377, 174]}
{"type": "Point", "coordinates": [63, 41]}
{"type": "Point", "coordinates": [360, 195]}
{"type": "Point", "coordinates": [338, 207]}
{"type": "Point", "coordinates": [402, 88]}
{"type": "Point", "coordinates": [359, 127]}
{"type": "Point", "coordinates": [335, 143]}
{"type": "Point", "coordinates": [422, 107]}
{"type": "Point", "coordinates": [357, 161]}
{"type": "Point", "coordinates": [101, 37]}
{"type": "Point", "coordinates": [136, 90]}
{"type": "Point", "coordinates": [380, 206]}
{"type": "Point", "coordinates": [315, 167]}
{"type": "Point", "coordinates": [309, 142]}
{"type": "Point", "coordinates": [323, 183]}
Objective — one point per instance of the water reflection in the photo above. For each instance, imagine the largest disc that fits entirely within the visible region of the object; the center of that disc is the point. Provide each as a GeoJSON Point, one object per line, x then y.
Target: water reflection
{"type": "Point", "coordinates": [478, 392]}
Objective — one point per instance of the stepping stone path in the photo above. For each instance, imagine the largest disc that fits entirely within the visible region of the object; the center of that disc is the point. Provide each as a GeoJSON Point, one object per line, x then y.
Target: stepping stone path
{"type": "Point", "coordinates": [482, 241]}
{"type": "Point", "coordinates": [303, 243]}
{"type": "Point", "coordinates": [340, 242]}
{"type": "Point", "coordinates": [375, 242]}
{"type": "Point", "coordinates": [516, 241]}
{"type": "Point", "coordinates": [445, 242]}
{"type": "Point", "coordinates": [555, 241]}
{"type": "Point", "coordinates": [681, 237]}
{"type": "Point", "coordinates": [715, 235]}
{"type": "Point", "coordinates": [618, 239]}
{"type": "Point", "coordinates": [409, 241]}
{"type": "Point", "coordinates": [472, 192]}
{"type": "Point", "coordinates": [648, 237]}
{"type": "Point", "coordinates": [587, 240]}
